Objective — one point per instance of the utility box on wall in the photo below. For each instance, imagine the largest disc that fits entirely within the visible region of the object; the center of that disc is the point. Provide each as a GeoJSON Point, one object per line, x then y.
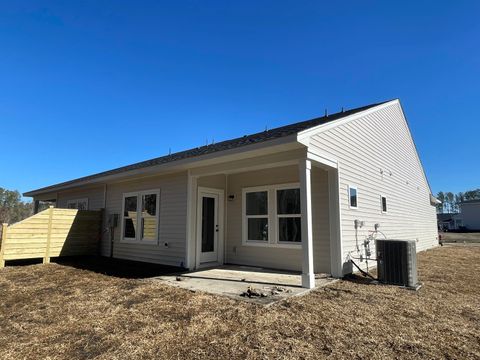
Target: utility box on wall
{"type": "Point", "coordinates": [397, 262]}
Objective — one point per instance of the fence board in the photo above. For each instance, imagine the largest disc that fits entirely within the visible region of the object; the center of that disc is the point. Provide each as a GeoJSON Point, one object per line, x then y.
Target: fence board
{"type": "Point", "coordinates": [52, 232]}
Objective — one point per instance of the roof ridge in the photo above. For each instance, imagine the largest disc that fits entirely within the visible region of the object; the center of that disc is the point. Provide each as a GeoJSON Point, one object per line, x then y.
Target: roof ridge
{"type": "Point", "coordinates": [266, 135]}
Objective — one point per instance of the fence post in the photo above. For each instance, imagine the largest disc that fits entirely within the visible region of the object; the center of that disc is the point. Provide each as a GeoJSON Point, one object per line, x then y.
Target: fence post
{"type": "Point", "coordinates": [2, 244]}
{"type": "Point", "coordinates": [46, 259]}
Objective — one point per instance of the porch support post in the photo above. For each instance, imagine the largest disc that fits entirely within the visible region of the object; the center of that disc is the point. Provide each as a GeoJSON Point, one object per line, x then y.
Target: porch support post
{"type": "Point", "coordinates": [308, 277]}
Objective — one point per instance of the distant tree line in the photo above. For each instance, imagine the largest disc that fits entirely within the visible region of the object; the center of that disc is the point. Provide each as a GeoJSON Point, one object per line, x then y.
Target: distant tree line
{"type": "Point", "coordinates": [451, 202]}
{"type": "Point", "coordinates": [12, 208]}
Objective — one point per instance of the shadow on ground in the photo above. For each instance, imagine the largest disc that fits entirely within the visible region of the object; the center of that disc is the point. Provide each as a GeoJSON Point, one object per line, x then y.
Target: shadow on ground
{"type": "Point", "coordinates": [117, 267]}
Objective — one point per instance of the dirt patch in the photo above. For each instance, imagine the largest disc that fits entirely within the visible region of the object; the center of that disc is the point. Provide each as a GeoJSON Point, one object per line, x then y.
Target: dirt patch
{"type": "Point", "coordinates": [60, 312]}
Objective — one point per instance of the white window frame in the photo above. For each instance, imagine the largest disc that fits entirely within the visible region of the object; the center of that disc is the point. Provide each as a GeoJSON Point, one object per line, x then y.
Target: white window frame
{"type": "Point", "coordinates": [381, 204]}
{"type": "Point", "coordinates": [278, 216]}
{"type": "Point", "coordinates": [137, 239]}
{"type": "Point", "coordinates": [349, 196]}
{"type": "Point", "coordinates": [272, 215]}
{"type": "Point", "coordinates": [76, 201]}
{"type": "Point", "coordinates": [245, 217]}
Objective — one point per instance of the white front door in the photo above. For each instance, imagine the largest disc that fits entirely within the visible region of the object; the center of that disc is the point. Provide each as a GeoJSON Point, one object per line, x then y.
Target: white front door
{"type": "Point", "coordinates": [209, 223]}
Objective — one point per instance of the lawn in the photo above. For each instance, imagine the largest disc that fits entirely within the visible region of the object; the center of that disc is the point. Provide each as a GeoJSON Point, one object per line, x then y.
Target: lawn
{"type": "Point", "coordinates": [56, 311]}
{"type": "Point", "coordinates": [452, 237]}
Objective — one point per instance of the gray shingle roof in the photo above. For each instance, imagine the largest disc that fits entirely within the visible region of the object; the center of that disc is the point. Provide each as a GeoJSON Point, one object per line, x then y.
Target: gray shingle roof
{"type": "Point", "coordinates": [259, 137]}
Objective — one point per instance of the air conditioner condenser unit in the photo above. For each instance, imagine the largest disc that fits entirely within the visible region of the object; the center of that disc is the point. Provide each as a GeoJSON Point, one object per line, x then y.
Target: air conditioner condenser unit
{"type": "Point", "coordinates": [397, 263]}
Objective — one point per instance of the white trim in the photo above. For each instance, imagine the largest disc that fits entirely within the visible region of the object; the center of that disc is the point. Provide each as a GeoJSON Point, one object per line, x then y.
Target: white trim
{"type": "Point", "coordinates": [381, 204]}
{"type": "Point", "coordinates": [308, 277]}
{"type": "Point", "coordinates": [414, 146]}
{"type": "Point", "coordinates": [137, 239]}
{"type": "Point", "coordinates": [349, 196]}
{"type": "Point", "coordinates": [322, 159]}
{"type": "Point", "coordinates": [245, 217]}
{"type": "Point", "coordinates": [302, 135]}
{"type": "Point", "coordinates": [76, 201]}
{"type": "Point", "coordinates": [271, 215]}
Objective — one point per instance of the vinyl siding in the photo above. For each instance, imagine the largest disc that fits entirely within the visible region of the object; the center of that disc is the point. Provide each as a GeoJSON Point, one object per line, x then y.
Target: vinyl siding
{"type": "Point", "coordinates": [172, 220]}
{"type": "Point", "coordinates": [376, 154]}
{"type": "Point", "coordinates": [320, 221]}
{"type": "Point", "coordinates": [213, 181]}
{"type": "Point", "coordinates": [95, 197]}
{"type": "Point", "coordinates": [45, 197]}
{"type": "Point", "coordinates": [276, 257]}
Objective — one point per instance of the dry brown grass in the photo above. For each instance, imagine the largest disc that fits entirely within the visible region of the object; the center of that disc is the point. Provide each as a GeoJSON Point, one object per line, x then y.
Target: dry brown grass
{"type": "Point", "coordinates": [54, 311]}
{"type": "Point", "coordinates": [451, 237]}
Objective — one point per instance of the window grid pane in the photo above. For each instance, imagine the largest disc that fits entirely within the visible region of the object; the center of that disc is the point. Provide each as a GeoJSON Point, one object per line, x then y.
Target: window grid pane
{"type": "Point", "coordinates": [257, 229]}
{"type": "Point", "coordinates": [257, 203]}
{"type": "Point", "coordinates": [289, 229]}
{"type": "Point", "coordinates": [288, 201]}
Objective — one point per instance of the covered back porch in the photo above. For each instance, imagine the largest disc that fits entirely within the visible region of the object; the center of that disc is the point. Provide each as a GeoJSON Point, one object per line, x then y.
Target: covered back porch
{"type": "Point", "coordinates": [277, 211]}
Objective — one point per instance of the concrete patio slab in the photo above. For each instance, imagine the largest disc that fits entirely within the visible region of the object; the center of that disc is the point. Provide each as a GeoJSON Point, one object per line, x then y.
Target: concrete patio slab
{"type": "Point", "coordinates": [233, 281]}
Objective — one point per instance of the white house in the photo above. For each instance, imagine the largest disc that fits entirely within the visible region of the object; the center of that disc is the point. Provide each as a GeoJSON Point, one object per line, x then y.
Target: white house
{"type": "Point", "coordinates": [300, 197]}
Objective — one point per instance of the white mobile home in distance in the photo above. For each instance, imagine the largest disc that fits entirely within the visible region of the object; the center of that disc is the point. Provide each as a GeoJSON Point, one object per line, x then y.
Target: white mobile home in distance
{"type": "Point", "coordinates": [286, 198]}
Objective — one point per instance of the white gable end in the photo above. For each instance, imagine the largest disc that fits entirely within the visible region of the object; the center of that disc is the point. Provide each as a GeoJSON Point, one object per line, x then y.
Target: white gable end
{"type": "Point", "coordinates": [375, 153]}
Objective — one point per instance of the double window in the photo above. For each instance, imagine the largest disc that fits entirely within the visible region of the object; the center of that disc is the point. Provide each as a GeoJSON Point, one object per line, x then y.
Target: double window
{"type": "Point", "coordinates": [140, 216]}
{"type": "Point", "coordinates": [272, 215]}
{"type": "Point", "coordinates": [80, 204]}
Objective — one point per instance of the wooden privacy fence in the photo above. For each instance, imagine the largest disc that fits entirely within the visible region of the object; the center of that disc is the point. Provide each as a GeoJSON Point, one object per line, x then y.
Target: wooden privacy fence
{"type": "Point", "coordinates": [51, 233]}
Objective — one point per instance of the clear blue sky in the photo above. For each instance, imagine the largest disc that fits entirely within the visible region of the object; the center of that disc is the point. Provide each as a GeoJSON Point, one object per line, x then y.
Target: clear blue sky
{"type": "Point", "coordinates": [86, 86]}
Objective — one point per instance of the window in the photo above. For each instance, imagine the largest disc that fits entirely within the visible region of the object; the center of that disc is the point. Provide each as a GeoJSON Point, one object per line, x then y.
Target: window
{"type": "Point", "coordinates": [140, 216]}
{"type": "Point", "coordinates": [289, 215]}
{"type": "Point", "coordinates": [352, 197]}
{"type": "Point", "coordinates": [272, 216]}
{"type": "Point", "coordinates": [80, 204]}
{"type": "Point", "coordinates": [383, 203]}
{"type": "Point", "coordinates": [256, 203]}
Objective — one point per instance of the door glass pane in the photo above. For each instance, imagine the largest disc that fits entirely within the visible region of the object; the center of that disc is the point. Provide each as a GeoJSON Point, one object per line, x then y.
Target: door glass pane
{"type": "Point", "coordinates": [258, 229]}
{"type": "Point", "coordinates": [130, 217]}
{"type": "Point", "coordinates": [289, 229]}
{"type": "Point", "coordinates": [257, 203]}
{"type": "Point", "coordinates": [288, 201]}
{"type": "Point", "coordinates": [208, 224]}
{"type": "Point", "coordinates": [149, 218]}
